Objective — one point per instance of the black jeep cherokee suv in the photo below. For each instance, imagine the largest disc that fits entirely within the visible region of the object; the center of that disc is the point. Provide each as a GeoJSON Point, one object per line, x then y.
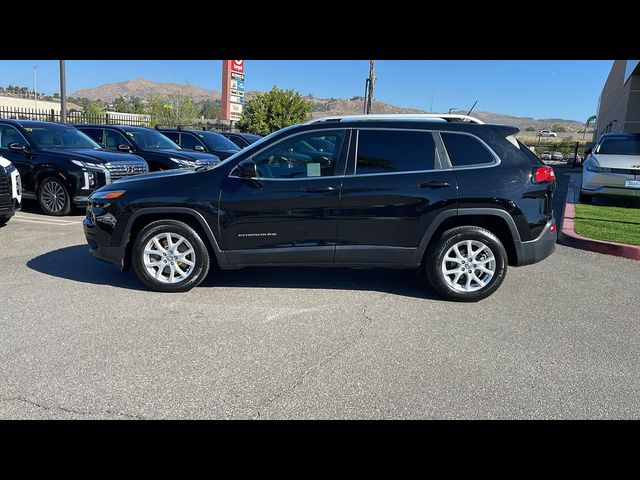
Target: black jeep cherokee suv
{"type": "Point", "coordinates": [59, 165]}
{"type": "Point", "coordinates": [201, 141]}
{"type": "Point", "coordinates": [159, 152]}
{"type": "Point", "coordinates": [452, 196]}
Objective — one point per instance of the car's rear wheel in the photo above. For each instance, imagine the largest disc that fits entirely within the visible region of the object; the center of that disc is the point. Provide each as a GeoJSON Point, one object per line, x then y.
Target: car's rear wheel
{"type": "Point", "coordinates": [466, 264]}
{"type": "Point", "coordinates": [170, 256]}
{"type": "Point", "coordinates": [53, 197]}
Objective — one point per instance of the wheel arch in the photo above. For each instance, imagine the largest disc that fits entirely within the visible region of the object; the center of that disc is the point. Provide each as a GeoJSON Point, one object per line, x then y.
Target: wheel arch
{"type": "Point", "coordinates": [142, 217]}
{"type": "Point", "coordinates": [495, 220]}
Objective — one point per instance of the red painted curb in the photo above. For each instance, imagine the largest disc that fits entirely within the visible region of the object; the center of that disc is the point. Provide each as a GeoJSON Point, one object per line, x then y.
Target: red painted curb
{"type": "Point", "coordinates": [568, 236]}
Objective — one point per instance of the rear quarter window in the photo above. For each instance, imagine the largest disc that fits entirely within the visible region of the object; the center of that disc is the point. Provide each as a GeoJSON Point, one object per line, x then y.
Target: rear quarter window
{"type": "Point", "coordinates": [389, 151]}
{"type": "Point", "coordinates": [466, 150]}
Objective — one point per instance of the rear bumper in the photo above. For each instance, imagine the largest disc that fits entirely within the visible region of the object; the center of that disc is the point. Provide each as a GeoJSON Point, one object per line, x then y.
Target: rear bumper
{"type": "Point", "coordinates": [603, 183]}
{"type": "Point", "coordinates": [612, 191]}
{"type": "Point", "coordinates": [540, 248]}
{"type": "Point", "coordinates": [99, 248]}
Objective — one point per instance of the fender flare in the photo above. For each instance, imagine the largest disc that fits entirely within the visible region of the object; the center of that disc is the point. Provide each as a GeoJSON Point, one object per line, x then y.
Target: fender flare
{"type": "Point", "coordinates": [124, 239]}
{"type": "Point", "coordinates": [52, 171]}
{"type": "Point", "coordinates": [442, 216]}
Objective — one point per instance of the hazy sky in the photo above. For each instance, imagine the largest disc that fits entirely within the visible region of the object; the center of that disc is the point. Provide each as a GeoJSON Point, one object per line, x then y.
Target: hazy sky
{"type": "Point", "coordinates": [534, 88]}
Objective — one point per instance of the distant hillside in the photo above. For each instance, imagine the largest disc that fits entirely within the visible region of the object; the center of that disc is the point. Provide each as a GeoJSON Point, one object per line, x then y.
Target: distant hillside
{"type": "Point", "coordinates": [143, 88]}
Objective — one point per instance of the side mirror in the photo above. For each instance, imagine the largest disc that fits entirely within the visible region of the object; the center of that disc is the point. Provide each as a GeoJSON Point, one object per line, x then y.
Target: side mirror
{"type": "Point", "coordinates": [199, 148]}
{"type": "Point", "coordinates": [247, 169]}
{"type": "Point", "coordinates": [587, 151]}
{"type": "Point", "coordinates": [124, 148]}
{"type": "Point", "coordinates": [18, 147]}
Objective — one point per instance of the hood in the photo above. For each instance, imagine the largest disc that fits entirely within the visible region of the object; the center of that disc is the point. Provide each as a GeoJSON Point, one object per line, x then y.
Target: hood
{"type": "Point", "coordinates": [617, 161]}
{"type": "Point", "coordinates": [188, 154]}
{"type": "Point", "coordinates": [95, 156]}
{"type": "Point", "coordinates": [176, 172]}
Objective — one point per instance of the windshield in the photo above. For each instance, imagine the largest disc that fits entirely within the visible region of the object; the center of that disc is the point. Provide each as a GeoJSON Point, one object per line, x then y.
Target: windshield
{"type": "Point", "coordinates": [627, 145]}
{"type": "Point", "coordinates": [59, 136]}
{"type": "Point", "coordinates": [215, 141]}
{"type": "Point", "coordinates": [150, 140]}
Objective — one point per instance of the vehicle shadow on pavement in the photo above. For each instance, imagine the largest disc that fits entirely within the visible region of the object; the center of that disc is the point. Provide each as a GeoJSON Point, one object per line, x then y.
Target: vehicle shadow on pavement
{"type": "Point", "coordinates": [397, 282]}
{"type": "Point", "coordinates": [76, 263]}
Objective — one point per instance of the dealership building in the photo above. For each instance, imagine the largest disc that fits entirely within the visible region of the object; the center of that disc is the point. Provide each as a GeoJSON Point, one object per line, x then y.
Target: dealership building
{"type": "Point", "coordinates": [619, 103]}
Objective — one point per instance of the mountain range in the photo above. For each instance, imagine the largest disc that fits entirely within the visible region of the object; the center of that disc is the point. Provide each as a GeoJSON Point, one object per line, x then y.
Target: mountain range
{"type": "Point", "coordinates": [144, 88]}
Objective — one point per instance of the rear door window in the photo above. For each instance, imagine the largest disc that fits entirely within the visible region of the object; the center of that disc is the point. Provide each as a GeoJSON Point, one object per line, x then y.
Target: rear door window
{"type": "Point", "coordinates": [94, 133]}
{"type": "Point", "coordinates": [394, 151]}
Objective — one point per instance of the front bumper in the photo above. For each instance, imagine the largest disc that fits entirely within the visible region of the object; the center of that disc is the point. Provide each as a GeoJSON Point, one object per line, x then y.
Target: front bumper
{"type": "Point", "coordinates": [602, 183]}
{"type": "Point", "coordinates": [99, 247]}
{"type": "Point", "coordinates": [540, 248]}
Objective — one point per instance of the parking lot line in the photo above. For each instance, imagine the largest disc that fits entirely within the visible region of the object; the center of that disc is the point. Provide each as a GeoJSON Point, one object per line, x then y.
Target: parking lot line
{"type": "Point", "coordinates": [45, 222]}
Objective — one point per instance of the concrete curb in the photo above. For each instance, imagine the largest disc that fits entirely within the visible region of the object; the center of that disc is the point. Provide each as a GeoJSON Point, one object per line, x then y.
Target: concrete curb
{"type": "Point", "coordinates": [568, 236]}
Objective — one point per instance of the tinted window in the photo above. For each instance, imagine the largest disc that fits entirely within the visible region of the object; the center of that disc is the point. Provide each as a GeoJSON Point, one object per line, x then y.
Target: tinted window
{"type": "Point", "coordinates": [238, 141]}
{"type": "Point", "coordinates": [620, 145]}
{"type": "Point", "coordinates": [150, 139]}
{"type": "Point", "coordinates": [297, 158]}
{"type": "Point", "coordinates": [466, 150]}
{"type": "Point", "coordinates": [215, 141]}
{"type": "Point", "coordinates": [387, 151]}
{"type": "Point", "coordinates": [94, 133]}
{"type": "Point", "coordinates": [113, 138]}
{"type": "Point", "coordinates": [189, 141]}
{"type": "Point", "coordinates": [9, 135]}
{"type": "Point", "coordinates": [173, 136]}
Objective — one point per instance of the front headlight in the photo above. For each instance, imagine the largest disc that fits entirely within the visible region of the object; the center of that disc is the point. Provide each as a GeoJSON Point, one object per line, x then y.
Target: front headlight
{"type": "Point", "coordinates": [593, 166]}
{"type": "Point", "coordinates": [96, 166]}
{"type": "Point", "coordinates": [183, 162]}
{"type": "Point", "coordinates": [107, 195]}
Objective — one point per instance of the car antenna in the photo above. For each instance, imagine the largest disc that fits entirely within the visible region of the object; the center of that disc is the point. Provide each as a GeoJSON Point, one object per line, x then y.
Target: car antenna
{"type": "Point", "coordinates": [474, 106]}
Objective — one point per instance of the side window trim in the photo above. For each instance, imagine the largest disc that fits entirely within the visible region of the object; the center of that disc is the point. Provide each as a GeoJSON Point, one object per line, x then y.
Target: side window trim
{"type": "Point", "coordinates": [496, 158]}
{"type": "Point", "coordinates": [342, 159]}
{"type": "Point", "coordinates": [440, 158]}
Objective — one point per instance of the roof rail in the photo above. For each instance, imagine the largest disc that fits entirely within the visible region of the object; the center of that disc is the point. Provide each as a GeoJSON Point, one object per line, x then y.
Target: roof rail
{"type": "Point", "coordinates": [433, 117]}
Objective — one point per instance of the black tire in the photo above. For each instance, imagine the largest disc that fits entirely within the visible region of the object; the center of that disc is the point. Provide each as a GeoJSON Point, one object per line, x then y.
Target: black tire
{"type": "Point", "coordinates": [3, 221]}
{"type": "Point", "coordinates": [583, 198]}
{"type": "Point", "coordinates": [435, 256]}
{"type": "Point", "coordinates": [57, 206]}
{"type": "Point", "coordinates": [198, 271]}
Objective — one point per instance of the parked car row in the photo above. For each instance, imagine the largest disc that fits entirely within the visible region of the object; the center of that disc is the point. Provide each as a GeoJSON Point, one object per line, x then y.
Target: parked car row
{"type": "Point", "coordinates": [61, 165]}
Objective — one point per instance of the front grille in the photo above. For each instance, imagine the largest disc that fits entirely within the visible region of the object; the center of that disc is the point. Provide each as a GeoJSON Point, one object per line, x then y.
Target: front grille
{"type": "Point", "coordinates": [6, 202]}
{"type": "Point", "coordinates": [121, 170]}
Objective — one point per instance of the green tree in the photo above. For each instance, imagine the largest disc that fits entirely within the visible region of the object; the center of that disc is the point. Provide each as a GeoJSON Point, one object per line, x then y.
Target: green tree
{"type": "Point", "coordinates": [558, 127]}
{"type": "Point", "coordinates": [92, 109]}
{"type": "Point", "coordinates": [176, 110]}
{"type": "Point", "coordinates": [121, 104]}
{"type": "Point", "coordinates": [268, 112]}
{"type": "Point", "coordinates": [209, 109]}
{"type": "Point", "coordinates": [530, 129]}
{"type": "Point", "coordinates": [138, 105]}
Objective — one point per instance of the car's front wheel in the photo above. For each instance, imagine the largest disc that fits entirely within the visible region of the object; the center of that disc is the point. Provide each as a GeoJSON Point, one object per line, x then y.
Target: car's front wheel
{"type": "Point", "coordinates": [53, 197]}
{"type": "Point", "coordinates": [466, 264]}
{"type": "Point", "coordinates": [170, 256]}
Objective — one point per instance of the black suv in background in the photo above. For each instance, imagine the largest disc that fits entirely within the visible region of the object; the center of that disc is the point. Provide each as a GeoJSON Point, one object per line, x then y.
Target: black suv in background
{"type": "Point", "coordinates": [59, 165]}
{"type": "Point", "coordinates": [242, 140]}
{"type": "Point", "coordinates": [159, 152]}
{"type": "Point", "coordinates": [201, 141]}
{"type": "Point", "coordinates": [450, 195]}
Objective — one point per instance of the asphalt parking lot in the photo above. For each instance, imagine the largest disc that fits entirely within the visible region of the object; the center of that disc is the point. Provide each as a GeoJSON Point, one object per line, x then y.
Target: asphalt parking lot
{"type": "Point", "coordinates": [79, 339]}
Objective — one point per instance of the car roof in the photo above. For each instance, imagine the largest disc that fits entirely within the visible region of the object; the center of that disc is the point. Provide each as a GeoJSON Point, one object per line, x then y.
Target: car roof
{"type": "Point", "coordinates": [619, 135]}
{"type": "Point", "coordinates": [33, 123]}
{"type": "Point", "coordinates": [103, 125]}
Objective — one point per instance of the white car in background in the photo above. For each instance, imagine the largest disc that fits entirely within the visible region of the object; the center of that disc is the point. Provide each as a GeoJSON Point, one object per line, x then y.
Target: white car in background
{"type": "Point", "coordinates": [612, 167]}
{"type": "Point", "coordinates": [547, 133]}
{"type": "Point", "coordinates": [10, 190]}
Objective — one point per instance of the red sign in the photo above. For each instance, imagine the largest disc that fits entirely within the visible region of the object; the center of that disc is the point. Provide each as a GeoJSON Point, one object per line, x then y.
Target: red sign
{"type": "Point", "coordinates": [237, 66]}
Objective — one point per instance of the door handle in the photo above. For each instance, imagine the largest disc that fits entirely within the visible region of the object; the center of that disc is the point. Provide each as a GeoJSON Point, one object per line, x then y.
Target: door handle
{"type": "Point", "coordinates": [434, 184]}
{"type": "Point", "coordinates": [319, 189]}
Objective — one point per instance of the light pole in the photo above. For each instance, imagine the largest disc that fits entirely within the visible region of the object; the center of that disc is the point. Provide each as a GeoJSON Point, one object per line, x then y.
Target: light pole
{"type": "Point", "coordinates": [63, 93]}
{"type": "Point", "coordinates": [452, 108]}
{"type": "Point", "coordinates": [35, 85]}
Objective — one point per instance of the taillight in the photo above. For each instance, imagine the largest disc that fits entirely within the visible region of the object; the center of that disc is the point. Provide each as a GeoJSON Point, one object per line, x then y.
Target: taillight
{"type": "Point", "coordinates": [544, 174]}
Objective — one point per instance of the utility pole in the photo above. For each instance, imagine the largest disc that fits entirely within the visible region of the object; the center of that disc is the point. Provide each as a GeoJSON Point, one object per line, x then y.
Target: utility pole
{"type": "Point", "coordinates": [35, 85]}
{"type": "Point", "coordinates": [63, 94]}
{"type": "Point", "coordinates": [372, 83]}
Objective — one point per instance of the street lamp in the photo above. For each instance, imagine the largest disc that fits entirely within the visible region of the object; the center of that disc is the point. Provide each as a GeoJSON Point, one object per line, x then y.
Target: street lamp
{"type": "Point", "coordinates": [452, 108]}
{"type": "Point", "coordinates": [35, 85]}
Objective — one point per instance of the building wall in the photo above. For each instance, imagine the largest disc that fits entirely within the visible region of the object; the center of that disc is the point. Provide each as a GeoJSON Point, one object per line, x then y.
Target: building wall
{"type": "Point", "coordinates": [619, 104]}
{"type": "Point", "coordinates": [11, 102]}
